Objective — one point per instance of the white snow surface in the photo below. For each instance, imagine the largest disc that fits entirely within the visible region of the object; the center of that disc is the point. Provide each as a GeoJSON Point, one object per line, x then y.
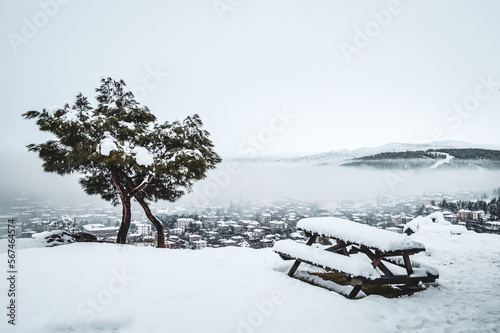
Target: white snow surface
{"type": "Point", "coordinates": [318, 256]}
{"type": "Point", "coordinates": [359, 233]}
{"type": "Point", "coordinates": [143, 289]}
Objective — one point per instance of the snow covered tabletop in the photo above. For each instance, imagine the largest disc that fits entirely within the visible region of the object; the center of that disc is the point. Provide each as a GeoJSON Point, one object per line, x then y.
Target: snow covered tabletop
{"type": "Point", "coordinates": [360, 234]}
{"type": "Point", "coordinates": [322, 258]}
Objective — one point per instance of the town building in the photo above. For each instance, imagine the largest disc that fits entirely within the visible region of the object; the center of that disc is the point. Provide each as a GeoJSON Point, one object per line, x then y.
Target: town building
{"type": "Point", "coordinates": [492, 227]}
{"type": "Point", "coordinates": [464, 215]}
{"type": "Point", "coordinates": [183, 223]}
{"type": "Point", "coordinates": [450, 217]}
{"type": "Point", "coordinates": [265, 218]}
{"type": "Point", "coordinates": [199, 244]}
{"type": "Point", "coordinates": [143, 228]}
{"type": "Point", "coordinates": [277, 226]}
{"type": "Point", "coordinates": [100, 230]}
{"type": "Point", "coordinates": [209, 221]}
{"type": "Point", "coordinates": [478, 215]}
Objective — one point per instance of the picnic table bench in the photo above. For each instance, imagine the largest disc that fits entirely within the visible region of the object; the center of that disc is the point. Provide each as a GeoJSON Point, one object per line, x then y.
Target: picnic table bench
{"type": "Point", "coordinates": [387, 259]}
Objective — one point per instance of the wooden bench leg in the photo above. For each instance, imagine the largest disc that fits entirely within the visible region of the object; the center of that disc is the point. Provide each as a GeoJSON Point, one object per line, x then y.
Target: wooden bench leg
{"type": "Point", "coordinates": [296, 264]}
{"type": "Point", "coordinates": [376, 261]}
{"type": "Point", "coordinates": [292, 270]}
{"type": "Point", "coordinates": [406, 259]}
{"type": "Point", "coordinates": [354, 291]}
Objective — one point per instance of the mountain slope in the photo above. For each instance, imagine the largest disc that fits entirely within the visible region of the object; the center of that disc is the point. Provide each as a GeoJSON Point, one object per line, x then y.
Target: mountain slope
{"type": "Point", "coordinates": [431, 158]}
{"type": "Point", "coordinates": [339, 157]}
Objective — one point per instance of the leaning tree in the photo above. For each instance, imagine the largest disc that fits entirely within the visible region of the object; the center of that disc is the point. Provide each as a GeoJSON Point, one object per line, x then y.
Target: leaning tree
{"type": "Point", "coordinates": [122, 152]}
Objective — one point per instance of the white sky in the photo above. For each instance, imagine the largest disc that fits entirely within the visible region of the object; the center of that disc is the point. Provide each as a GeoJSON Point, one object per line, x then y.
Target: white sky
{"type": "Point", "coordinates": [264, 55]}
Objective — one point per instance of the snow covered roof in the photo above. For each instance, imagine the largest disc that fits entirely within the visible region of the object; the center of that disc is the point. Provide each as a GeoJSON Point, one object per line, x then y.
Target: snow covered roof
{"type": "Point", "coordinates": [493, 222]}
{"type": "Point", "coordinates": [98, 227]}
{"type": "Point", "coordinates": [93, 226]}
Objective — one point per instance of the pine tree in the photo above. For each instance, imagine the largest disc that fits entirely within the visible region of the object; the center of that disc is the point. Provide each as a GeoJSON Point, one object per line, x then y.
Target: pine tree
{"type": "Point", "coordinates": [420, 210]}
{"type": "Point", "coordinates": [122, 152]}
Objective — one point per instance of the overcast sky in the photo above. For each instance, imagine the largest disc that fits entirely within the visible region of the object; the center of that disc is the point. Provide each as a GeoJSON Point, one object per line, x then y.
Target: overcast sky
{"type": "Point", "coordinates": [340, 74]}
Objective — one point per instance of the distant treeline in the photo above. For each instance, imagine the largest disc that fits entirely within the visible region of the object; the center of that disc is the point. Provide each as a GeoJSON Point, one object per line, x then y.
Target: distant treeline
{"type": "Point", "coordinates": [462, 158]}
{"type": "Point", "coordinates": [492, 207]}
{"type": "Point", "coordinates": [471, 153]}
{"type": "Point", "coordinates": [402, 155]}
{"type": "Point", "coordinates": [461, 154]}
{"type": "Point", "coordinates": [394, 163]}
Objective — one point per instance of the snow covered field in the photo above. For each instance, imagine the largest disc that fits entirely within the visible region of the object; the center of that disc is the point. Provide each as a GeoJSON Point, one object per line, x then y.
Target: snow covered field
{"type": "Point", "coordinates": [86, 287]}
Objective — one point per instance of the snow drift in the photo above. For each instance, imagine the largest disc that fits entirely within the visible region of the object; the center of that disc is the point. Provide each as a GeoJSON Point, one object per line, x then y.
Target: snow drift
{"type": "Point", "coordinates": [433, 223]}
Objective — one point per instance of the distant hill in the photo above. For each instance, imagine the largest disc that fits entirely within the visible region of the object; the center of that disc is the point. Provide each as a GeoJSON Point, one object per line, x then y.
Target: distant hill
{"type": "Point", "coordinates": [400, 155]}
{"type": "Point", "coordinates": [431, 158]}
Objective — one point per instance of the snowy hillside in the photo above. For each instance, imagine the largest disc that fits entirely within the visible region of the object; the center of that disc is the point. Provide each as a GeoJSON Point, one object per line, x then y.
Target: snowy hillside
{"type": "Point", "coordinates": [468, 158]}
{"type": "Point", "coordinates": [340, 156]}
{"type": "Point", "coordinates": [86, 287]}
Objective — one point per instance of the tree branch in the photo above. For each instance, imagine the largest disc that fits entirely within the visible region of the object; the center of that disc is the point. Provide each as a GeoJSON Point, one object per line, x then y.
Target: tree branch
{"type": "Point", "coordinates": [116, 182]}
{"type": "Point", "coordinates": [142, 186]}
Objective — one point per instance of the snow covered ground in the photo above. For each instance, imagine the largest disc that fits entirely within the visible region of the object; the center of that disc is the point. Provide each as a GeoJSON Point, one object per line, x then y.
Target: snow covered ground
{"type": "Point", "coordinates": [85, 287]}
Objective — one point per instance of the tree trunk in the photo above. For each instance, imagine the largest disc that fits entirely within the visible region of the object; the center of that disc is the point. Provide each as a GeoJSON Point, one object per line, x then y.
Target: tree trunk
{"type": "Point", "coordinates": [126, 207]}
{"type": "Point", "coordinates": [125, 225]}
{"type": "Point", "coordinates": [158, 225]}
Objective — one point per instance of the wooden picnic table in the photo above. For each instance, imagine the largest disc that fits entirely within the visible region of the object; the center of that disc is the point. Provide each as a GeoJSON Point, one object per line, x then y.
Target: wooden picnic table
{"type": "Point", "coordinates": [387, 259]}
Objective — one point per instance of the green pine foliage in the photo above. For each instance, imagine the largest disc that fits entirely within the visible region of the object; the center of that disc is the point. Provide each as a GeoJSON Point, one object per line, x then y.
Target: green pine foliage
{"type": "Point", "coordinates": [121, 150]}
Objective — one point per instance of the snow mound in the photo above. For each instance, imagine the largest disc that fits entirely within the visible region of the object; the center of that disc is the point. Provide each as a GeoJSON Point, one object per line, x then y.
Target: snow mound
{"type": "Point", "coordinates": [107, 145]}
{"type": "Point", "coordinates": [53, 238]}
{"type": "Point", "coordinates": [433, 223]}
{"type": "Point", "coordinates": [143, 156]}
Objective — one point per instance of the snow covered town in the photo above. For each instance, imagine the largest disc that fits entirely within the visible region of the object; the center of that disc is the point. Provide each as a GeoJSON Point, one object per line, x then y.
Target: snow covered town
{"type": "Point", "coordinates": [248, 224]}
